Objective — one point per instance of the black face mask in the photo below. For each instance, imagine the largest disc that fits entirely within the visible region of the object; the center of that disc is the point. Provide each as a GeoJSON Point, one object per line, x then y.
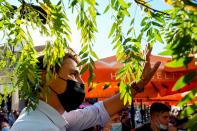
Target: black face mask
{"type": "Point", "coordinates": [73, 96]}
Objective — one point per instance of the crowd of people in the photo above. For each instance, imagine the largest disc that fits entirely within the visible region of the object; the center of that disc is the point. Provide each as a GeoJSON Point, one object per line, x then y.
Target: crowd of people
{"type": "Point", "coordinates": [157, 117]}
{"type": "Point", "coordinates": [7, 118]}
{"type": "Point", "coordinates": [122, 121]}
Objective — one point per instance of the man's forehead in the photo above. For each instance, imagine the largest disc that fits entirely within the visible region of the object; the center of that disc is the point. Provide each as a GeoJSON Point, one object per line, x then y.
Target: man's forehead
{"type": "Point", "coordinates": [70, 65]}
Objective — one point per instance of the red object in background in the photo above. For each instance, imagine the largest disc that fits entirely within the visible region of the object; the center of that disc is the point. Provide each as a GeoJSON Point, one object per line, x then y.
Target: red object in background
{"type": "Point", "coordinates": [161, 83]}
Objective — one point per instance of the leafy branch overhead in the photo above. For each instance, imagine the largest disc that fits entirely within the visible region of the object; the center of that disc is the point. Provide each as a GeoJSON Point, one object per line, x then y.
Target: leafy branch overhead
{"type": "Point", "coordinates": [176, 27]}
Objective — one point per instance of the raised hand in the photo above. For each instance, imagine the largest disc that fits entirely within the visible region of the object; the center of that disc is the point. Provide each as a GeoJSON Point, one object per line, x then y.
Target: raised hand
{"type": "Point", "coordinates": [147, 72]}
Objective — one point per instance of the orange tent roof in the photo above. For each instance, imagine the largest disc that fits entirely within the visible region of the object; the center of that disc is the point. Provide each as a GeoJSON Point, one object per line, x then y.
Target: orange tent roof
{"type": "Point", "coordinates": [162, 82]}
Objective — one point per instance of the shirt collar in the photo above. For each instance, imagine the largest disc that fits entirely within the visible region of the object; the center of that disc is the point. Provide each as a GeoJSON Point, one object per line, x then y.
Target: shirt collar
{"type": "Point", "coordinates": [52, 114]}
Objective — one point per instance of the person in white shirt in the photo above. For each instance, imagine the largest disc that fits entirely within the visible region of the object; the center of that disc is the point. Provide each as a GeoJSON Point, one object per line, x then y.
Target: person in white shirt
{"type": "Point", "coordinates": [57, 111]}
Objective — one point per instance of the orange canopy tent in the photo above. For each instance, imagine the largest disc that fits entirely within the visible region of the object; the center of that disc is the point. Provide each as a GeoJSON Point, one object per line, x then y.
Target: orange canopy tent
{"type": "Point", "coordinates": [170, 99]}
{"type": "Point", "coordinates": [161, 83]}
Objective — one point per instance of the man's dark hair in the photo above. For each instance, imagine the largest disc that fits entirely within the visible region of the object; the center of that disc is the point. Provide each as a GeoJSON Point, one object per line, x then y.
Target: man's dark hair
{"type": "Point", "coordinates": [158, 108]}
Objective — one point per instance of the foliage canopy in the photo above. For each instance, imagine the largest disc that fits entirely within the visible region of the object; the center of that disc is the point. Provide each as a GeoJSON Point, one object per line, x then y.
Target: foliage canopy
{"type": "Point", "coordinates": [177, 27]}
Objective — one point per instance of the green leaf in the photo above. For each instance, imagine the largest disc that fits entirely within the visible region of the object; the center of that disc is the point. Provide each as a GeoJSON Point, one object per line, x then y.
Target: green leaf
{"type": "Point", "coordinates": [181, 82]}
{"type": "Point", "coordinates": [188, 97]}
{"type": "Point", "coordinates": [94, 54]}
{"type": "Point", "coordinates": [194, 29]}
{"type": "Point", "coordinates": [84, 49]}
{"type": "Point", "coordinates": [125, 12]}
{"type": "Point", "coordinates": [117, 45]}
{"type": "Point", "coordinates": [189, 110]}
{"type": "Point", "coordinates": [179, 63]}
{"type": "Point", "coordinates": [150, 35]}
{"type": "Point", "coordinates": [143, 22]}
{"type": "Point", "coordinates": [129, 100]}
{"type": "Point", "coordinates": [156, 24]}
{"type": "Point", "coordinates": [59, 3]}
{"type": "Point", "coordinates": [160, 19]}
{"type": "Point", "coordinates": [176, 24]}
{"type": "Point", "coordinates": [92, 63]}
{"type": "Point", "coordinates": [120, 49]}
{"type": "Point", "coordinates": [106, 9]}
{"type": "Point", "coordinates": [128, 76]}
{"type": "Point", "coordinates": [132, 21]}
{"type": "Point", "coordinates": [113, 2]}
{"type": "Point", "coordinates": [125, 99]}
{"type": "Point", "coordinates": [84, 69]}
{"type": "Point", "coordinates": [84, 61]}
{"type": "Point", "coordinates": [122, 93]}
{"type": "Point", "coordinates": [31, 76]}
{"type": "Point", "coordinates": [92, 11]}
{"type": "Point", "coordinates": [90, 79]}
{"type": "Point", "coordinates": [146, 27]}
{"type": "Point", "coordinates": [192, 123]}
{"type": "Point", "coordinates": [120, 72]}
{"type": "Point", "coordinates": [166, 53]}
{"type": "Point", "coordinates": [158, 37]}
{"type": "Point", "coordinates": [18, 21]}
{"type": "Point", "coordinates": [112, 30]}
{"type": "Point", "coordinates": [91, 2]}
{"type": "Point", "coordinates": [122, 89]}
{"type": "Point", "coordinates": [123, 3]}
{"type": "Point", "coordinates": [116, 5]}
{"type": "Point", "coordinates": [129, 31]}
{"type": "Point", "coordinates": [139, 38]}
{"type": "Point", "coordinates": [126, 40]}
{"type": "Point", "coordinates": [84, 55]}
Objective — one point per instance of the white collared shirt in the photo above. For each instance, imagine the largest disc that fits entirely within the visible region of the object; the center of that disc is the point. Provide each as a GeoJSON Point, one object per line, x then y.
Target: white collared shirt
{"type": "Point", "coordinates": [44, 118]}
{"type": "Point", "coordinates": [85, 118]}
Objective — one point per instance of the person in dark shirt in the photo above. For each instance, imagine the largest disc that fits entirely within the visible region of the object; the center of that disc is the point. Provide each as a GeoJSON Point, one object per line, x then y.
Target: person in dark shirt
{"type": "Point", "coordinates": [159, 118]}
{"type": "Point", "coordinates": [125, 121]}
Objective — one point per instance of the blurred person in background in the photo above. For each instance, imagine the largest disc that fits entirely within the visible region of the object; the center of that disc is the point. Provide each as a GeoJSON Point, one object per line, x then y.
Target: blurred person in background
{"type": "Point", "coordinates": [159, 120]}
{"type": "Point", "coordinates": [4, 126]}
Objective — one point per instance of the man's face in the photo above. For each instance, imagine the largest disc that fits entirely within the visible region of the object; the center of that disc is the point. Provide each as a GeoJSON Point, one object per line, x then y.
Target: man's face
{"type": "Point", "coordinates": [68, 71]}
{"type": "Point", "coordinates": [163, 118]}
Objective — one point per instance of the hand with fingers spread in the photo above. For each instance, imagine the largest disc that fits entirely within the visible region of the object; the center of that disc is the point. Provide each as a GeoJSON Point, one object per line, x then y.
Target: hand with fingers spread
{"type": "Point", "coordinates": [147, 72]}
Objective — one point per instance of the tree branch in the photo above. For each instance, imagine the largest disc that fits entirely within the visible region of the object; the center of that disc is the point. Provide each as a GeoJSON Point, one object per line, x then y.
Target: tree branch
{"type": "Point", "coordinates": [143, 4]}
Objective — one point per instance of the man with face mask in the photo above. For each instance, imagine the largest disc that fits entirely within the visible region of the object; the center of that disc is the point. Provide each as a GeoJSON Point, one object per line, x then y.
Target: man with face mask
{"type": "Point", "coordinates": [57, 111]}
{"type": "Point", "coordinates": [159, 120]}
